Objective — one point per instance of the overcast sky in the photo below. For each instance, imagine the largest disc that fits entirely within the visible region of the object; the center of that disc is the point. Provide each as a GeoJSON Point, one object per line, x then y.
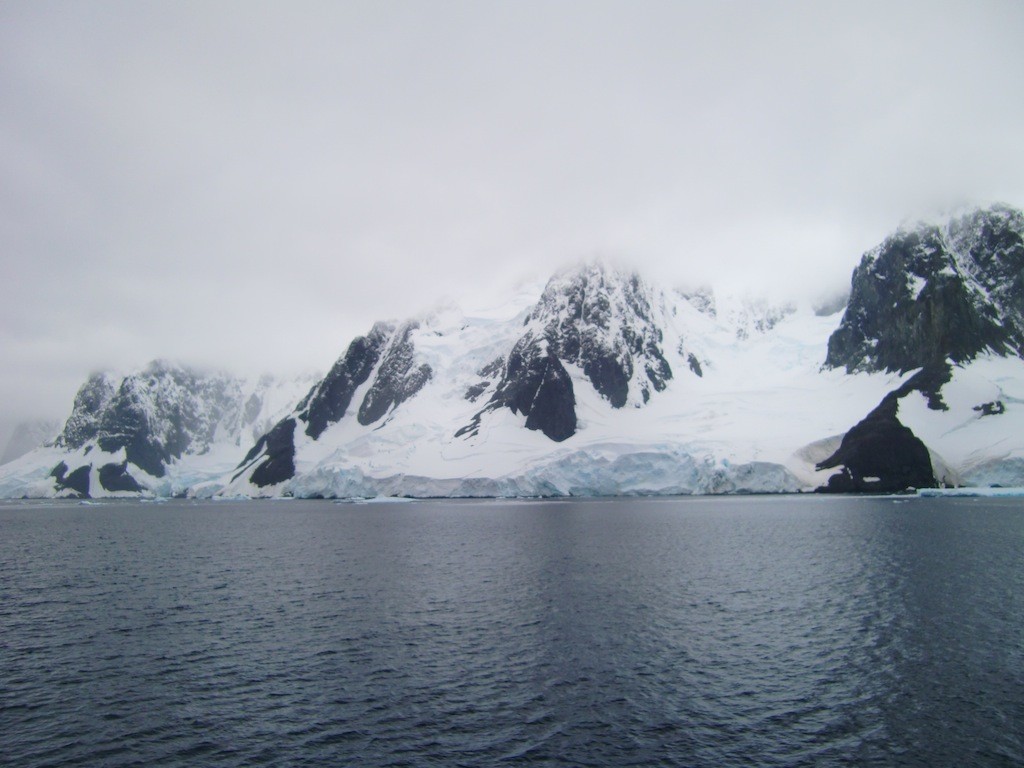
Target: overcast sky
{"type": "Point", "coordinates": [251, 184]}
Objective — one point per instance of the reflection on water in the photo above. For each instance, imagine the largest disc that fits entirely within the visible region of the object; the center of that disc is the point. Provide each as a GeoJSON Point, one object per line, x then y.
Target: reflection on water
{"type": "Point", "coordinates": [770, 631]}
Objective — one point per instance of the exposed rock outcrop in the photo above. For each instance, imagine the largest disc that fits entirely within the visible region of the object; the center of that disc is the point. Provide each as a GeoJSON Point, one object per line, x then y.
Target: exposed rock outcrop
{"type": "Point", "coordinates": [881, 455]}
{"type": "Point", "coordinates": [936, 291]}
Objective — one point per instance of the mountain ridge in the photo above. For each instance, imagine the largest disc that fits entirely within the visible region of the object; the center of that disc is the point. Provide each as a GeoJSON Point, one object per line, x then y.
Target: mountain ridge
{"type": "Point", "coordinates": [607, 384]}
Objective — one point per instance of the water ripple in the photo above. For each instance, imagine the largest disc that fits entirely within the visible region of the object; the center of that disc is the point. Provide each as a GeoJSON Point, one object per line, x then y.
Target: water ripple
{"type": "Point", "coordinates": [776, 632]}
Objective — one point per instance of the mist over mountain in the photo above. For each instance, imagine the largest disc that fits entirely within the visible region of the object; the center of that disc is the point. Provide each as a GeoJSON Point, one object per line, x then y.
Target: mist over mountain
{"type": "Point", "coordinates": [604, 383]}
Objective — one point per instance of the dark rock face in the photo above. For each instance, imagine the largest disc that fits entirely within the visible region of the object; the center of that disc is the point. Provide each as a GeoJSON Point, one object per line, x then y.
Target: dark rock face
{"type": "Point", "coordinates": [127, 426]}
{"type": "Point", "coordinates": [77, 481]}
{"type": "Point", "coordinates": [535, 384]}
{"type": "Point", "coordinates": [252, 409]}
{"type": "Point", "coordinates": [493, 370]}
{"type": "Point", "coordinates": [115, 477]}
{"type": "Point", "coordinates": [934, 293]}
{"type": "Point", "coordinates": [473, 393]}
{"type": "Point", "coordinates": [273, 456]}
{"type": "Point", "coordinates": [397, 380]}
{"type": "Point", "coordinates": [602, 321]}
{"type": "Point", "coordinates": [596, 318]}
{"type": "Point", "coordinates": [162, 412]}
{"type": "Point", "coordinates": [881, 455]}
{"type": "Point", "coordinates": [995, 408]}
{"type": "Point", "coordinates": [327, 402]}
{"type": "Point", "coordinates": [694, 364]}
{"type": "Point", "coordinates": [90, 401]}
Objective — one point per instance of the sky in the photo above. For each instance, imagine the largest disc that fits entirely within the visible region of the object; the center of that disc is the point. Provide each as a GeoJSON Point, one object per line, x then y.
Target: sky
{"type": "Point", "coordinates": [249, 185]}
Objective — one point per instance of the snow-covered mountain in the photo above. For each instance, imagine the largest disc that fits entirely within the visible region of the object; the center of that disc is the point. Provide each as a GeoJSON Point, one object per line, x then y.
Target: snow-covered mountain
{"type": "Point", "coordinates": [603, 383]}
{"type": "Point", "coordinates": [944, 299]}
{"type": "Point", "coordinates": [28, 435]}
{"type": "Point", "coordinates": [155, 431]}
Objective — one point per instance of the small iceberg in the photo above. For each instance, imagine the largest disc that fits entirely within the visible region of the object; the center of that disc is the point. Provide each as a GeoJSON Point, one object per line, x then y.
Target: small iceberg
{"type": "Point", "coordinates": [379, 500]}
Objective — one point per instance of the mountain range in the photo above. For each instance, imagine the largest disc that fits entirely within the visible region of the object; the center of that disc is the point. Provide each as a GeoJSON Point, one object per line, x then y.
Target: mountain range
{"type": "Point", "coordinates": [604, 384]}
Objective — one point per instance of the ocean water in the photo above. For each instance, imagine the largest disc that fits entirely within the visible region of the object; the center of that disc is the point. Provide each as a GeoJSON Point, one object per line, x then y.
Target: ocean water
{"type": "Point", "coordinates": [780, 631]}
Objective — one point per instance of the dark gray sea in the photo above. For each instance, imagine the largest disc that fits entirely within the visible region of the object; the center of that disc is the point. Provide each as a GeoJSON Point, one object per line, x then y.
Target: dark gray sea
{"type": "Point", "coordinates": [785, 631]}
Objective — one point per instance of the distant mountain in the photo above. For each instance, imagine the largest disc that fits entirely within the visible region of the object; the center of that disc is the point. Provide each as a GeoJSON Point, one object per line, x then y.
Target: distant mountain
{"type": "Point", "coordinates": [153, 430]}
{"type": "Point", "coordinates": [602, 383]}
{"type": "Point", "coordinates": [27, 436]}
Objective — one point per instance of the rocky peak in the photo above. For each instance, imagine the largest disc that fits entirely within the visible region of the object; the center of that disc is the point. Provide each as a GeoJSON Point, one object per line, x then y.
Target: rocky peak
{"type": "Point", "coordinates": [90, 401]}
{"type": "Point", "coordinates": [599, 319]}
{"type": "Point", "coordinates": [935, 291]}
{"type": "Point", "coordinates": [398, 378]}
{"type": "Point", "coordinates": [604, 321]}
{"type": "Point", "coordinates": [163, 411]}
{"type": "Point", "coordinates": [388, 354]}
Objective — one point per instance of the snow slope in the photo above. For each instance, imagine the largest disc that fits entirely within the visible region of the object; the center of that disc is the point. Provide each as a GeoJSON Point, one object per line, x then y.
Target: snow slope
{"type": "Point", "coordinates": [746, 395]}
{"type": "Point", "coordinates": [980, 435]}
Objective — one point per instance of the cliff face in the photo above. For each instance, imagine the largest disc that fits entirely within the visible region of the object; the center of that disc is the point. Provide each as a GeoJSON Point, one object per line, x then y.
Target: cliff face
{"type": "Point", "coordinates": [88, 409]}
{"type": "Point", "coordinates": [936, 291]}
{"type": "Point", "coordinates": [384, 359]}
{"type": "Point", "coordinates": [605, 322]}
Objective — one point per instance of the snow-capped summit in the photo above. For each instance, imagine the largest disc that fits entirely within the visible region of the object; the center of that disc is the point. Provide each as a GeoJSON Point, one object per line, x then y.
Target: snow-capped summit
{"type": "Point", "coordinates": [611, 324]}
{"type": "Point", "coordinates": [607, 323]}
{"type": "Point", "coordinates": [602, 364]}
